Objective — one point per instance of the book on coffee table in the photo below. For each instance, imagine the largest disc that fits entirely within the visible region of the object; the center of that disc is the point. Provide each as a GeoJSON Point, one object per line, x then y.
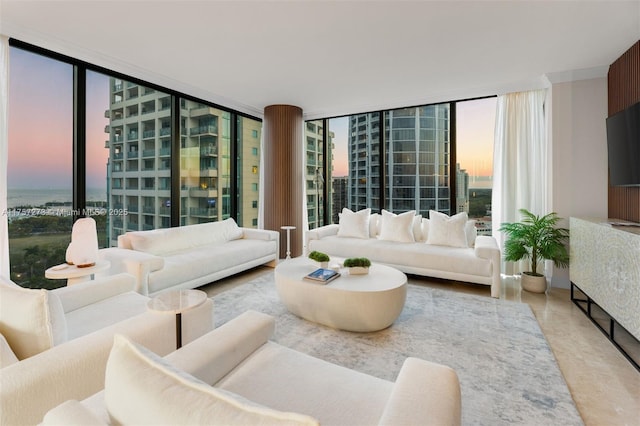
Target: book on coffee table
{"type": "Point", "coordinates": [322, 275]}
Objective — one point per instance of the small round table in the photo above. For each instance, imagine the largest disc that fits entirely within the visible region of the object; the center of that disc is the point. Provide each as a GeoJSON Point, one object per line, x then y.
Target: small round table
{"type": "Point", "coordinates": [288, 228]}
{"type": "Point", "coordinates": [176, 302]}
{"type": "Point", "coordinates": [75, 275]}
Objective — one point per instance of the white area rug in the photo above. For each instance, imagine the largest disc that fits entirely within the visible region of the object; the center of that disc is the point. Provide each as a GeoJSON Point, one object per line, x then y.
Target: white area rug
{"type": "Point", "coordinates": [508, 374]}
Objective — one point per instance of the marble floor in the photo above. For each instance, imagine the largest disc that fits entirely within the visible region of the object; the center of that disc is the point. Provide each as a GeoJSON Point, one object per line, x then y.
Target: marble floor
{"type": "Point", "coordinates": [604, 385]}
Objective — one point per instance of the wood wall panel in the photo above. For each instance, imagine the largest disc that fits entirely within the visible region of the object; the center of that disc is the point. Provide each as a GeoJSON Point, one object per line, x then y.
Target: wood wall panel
{"type": "Point", "coordinates": [283, 172]}
{"type": "Point", "coordinates": [624, 91]}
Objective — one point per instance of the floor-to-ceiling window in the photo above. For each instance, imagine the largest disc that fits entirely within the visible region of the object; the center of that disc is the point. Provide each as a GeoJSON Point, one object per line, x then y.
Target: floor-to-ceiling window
{"type": "Point", "coordinates": [417, 142]}
{"type": "Point", "coordinates": [248, 161]}
{"type": "Point", "coordinates": [40, 166]}
{"type": "Point", "coordinates": [125, 134]}
{"type": "Point", "coordinates": [430, 157]}
{"type": "Point", "coordinates": [475, 123]}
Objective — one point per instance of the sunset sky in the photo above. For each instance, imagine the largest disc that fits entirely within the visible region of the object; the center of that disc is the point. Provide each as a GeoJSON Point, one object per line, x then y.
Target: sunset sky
{"type": "Point", "coordinates": [40, 127]}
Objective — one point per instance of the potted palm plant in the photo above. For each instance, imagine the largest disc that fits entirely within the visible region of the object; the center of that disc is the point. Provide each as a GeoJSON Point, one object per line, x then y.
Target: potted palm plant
{"type": "Point", "coordinates": [536, 238]}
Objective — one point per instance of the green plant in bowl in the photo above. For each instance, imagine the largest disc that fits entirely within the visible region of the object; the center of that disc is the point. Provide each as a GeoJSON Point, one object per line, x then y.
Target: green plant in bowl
{"type": "Point", "coordinates": [318, 256]}
{"type": "Point", "coordinates": [353, 262]}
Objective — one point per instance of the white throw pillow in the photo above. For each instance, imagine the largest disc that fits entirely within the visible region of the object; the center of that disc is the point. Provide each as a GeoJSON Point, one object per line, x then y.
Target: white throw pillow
{"type": "Point", "coordinates": [354, 224]}
{"type": "Point", "coordinates": [7, 357]}
{"type": "Point", "coordinates": [31, 321]}
{"type": "Point", "coordinates": [417, 229]}
{"type": "Point", "coordinates": [142, 388]}
{"type": "Point", "coordinates": [397, 227]}
{"type": "Point", "coordinates": [425, 229]}
{"type": "Point", "coordinates": [374, 221]}
{"type": "Point", "coordinates": [447, 231]}
{"type": "Point", "coordinates": [471, 232]}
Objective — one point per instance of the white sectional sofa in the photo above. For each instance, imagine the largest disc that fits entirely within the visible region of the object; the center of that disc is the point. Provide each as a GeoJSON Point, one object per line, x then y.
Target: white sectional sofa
{"type": "Point", "coordinates": [190, 256]}
{"type": "Point", "coordinates": [235, 375]}
{"type": "Point", "coordinates": [55, 344]}
{"type": "Point", "coordinates": [441, 247]}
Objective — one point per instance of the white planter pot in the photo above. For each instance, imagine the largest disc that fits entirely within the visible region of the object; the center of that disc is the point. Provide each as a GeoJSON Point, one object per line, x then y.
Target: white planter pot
{"type": "Point", "coordinates": [533, 283]}
{"type": "Point", "coordinates": [358, 270]}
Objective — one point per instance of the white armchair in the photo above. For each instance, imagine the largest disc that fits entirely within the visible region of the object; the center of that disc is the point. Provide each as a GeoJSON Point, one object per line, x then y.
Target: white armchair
{"type": "Point", "coordinates": [54, 344]}
{"type": "Point", "coordinates": [235, 375]}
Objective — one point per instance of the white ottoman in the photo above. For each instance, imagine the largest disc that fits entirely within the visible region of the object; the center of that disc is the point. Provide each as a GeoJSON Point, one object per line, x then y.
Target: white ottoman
{"type": "Point", "coordinates": [360, 303]}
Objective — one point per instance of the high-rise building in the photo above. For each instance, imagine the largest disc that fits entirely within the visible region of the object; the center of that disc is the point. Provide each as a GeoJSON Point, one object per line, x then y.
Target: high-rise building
{"type": "Point", "coordinates": [339, 197]}
{"type": "Point", "coordinates": [416, 160]}
{"type": "Point", "coordinates": [315, 179]}
{"type": "Point", "coordinates": [462, 190]}
{"type": "Point", "coordinates": [139, 168]}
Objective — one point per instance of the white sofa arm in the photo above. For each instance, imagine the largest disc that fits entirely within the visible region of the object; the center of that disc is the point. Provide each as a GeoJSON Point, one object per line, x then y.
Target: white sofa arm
{"type": "Point", "coordinates": [89, 292]}
{"type": "Point", "coordinates": [136, 263]}
{"type": "Point", "coordinates": [323, 231]}
{"type": "Point", "coordinates": [71, 413]}
{"type": "Point", "coordinates": [260, 234]}
{"type": "Point", "coordinates": [215, 354]}
{"type": "Point", "coordinates": [487, 248]}
{"type": "Point", "coordinates": [424, 393]}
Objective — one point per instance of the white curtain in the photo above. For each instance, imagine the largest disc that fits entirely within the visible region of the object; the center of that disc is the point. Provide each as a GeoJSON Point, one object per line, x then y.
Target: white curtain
{"type": "Point", "coordinates": [4, 153]}
{"type": "Point", "coordinates": [522, 164]}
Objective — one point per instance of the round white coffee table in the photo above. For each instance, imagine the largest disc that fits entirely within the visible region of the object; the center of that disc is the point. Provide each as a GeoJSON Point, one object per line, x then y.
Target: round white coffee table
{"type": "Point", "coordinates": [359, 303]}
{"type": "Point", "coordinates": [75, 275]}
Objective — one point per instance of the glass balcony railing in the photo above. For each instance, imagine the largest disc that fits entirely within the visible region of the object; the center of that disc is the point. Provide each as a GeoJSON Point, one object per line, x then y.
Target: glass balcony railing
{"type": "Point", "coordinates": [201, 130]}
{"type": "Point", "coordinates": [203, 212]}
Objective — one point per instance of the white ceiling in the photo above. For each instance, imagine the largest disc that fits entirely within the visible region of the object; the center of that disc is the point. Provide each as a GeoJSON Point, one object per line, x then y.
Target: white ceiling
{"type": "Point", "coordinates": [334, 57]}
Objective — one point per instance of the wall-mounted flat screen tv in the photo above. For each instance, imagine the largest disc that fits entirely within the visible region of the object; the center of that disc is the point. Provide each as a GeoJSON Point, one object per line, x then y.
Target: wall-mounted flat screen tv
{"type": "Point", "coordinates": [623, 143]}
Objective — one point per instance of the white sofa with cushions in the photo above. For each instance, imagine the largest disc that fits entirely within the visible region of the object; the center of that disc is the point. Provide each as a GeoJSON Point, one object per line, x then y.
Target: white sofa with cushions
{"type": "Point", "coordinates": [235, 375]}
{"type": "Point", "coordinates": [441, 246]}
{"type": "Point", "coordinates": [190, 256]}
{"type": "Point", "coordinates": [54, 344]}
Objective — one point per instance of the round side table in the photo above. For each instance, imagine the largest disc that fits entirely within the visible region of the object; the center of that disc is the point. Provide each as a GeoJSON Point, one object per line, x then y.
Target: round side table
{"type": "Point", "coordinates": [288, 229]}
{"type": "Point", "coordinates": [75, 275]}
{"type": "Point", "coordinates": [176, 302]}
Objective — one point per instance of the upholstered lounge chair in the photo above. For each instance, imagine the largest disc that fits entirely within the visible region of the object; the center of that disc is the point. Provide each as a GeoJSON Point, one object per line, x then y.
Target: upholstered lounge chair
{"type": "Point", "coordinates": [235, 375]}
{"type": "Point", "coordinates": [54, 344]}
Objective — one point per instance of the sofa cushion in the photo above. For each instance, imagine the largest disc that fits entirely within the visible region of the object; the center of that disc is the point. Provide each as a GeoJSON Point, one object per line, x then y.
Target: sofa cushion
{"type": "Point", "coordinates": [374, 225]}
{"type": "Point", "coordinates": [7, 357]}
{"type": "Point", "coordinates": [190, 264]}
{"type": "Point", "coordinates": [169, 240]}
{"type": "Point", "coordinates": [397, 227]}
{"type": "Point", "coordinates": [104, 313]}
{"type": "Point", "coordinates": [418, 256]}
{"type": "Point", "coordinates": [447, 231]}
{"type": "Point", "coordinates": [285, 379]}
{"type": "Point", "coordinates": [142, 388]}
{"type": "Point", "coordinates": [354, 224]}
{"type": "Point", "coordinates": [32, 321]}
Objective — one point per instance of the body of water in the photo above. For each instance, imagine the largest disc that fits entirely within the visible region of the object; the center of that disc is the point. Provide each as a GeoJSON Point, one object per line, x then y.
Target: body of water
{"type": "Point", "coordinates": [39, 197]}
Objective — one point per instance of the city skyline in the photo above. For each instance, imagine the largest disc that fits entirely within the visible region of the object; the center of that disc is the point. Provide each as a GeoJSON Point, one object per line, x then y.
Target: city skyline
{"type": "Point", "coordinates": [475, 132]}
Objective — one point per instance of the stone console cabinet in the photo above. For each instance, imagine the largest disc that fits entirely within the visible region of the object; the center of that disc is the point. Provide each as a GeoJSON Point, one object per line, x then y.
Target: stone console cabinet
{"type": "Point", "coordinates": [605, 279]}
